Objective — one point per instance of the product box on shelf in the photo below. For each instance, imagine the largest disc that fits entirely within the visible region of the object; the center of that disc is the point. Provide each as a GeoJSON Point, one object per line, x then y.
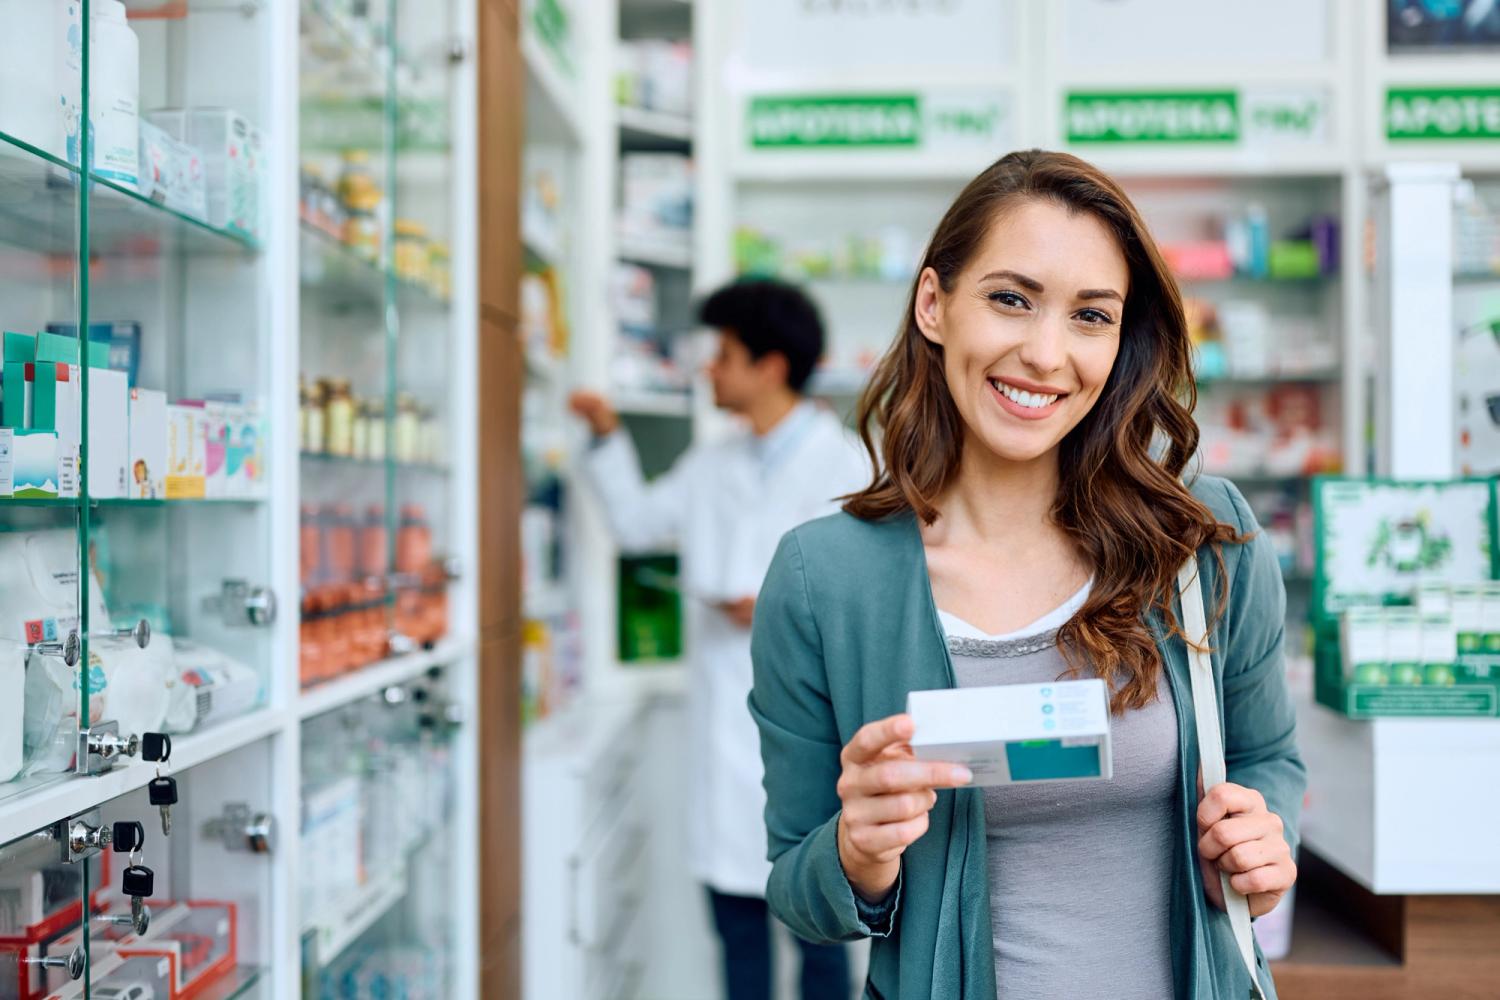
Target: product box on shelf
{"type": "Point", "coordinates": [185, 460]}
{"type": "Point", "coordinates": [198, 940]}
{"type": "Point", "coordinates": [148, 444]}
{"type": "Point", "coordinates": [57, 405]}
{"type": "Point", "coordinates": [1402, 568]}
{"type": "Point", "coordinates": [112, 977]}
{"type": "Point", "coordinates": [230, 148]}
{"type": "Point", "coordinates": [172, 172]}
{"type": "Point", "coordinates": [32, 471]}
{"type": "Point", "coordinates": [215, 450]}
{"type": "Point", "coordinates": [109, 431]}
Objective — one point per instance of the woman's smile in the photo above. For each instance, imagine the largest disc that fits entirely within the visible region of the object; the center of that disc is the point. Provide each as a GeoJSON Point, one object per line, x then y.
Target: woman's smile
{"type": "Point", "coordinates": [1030, 403]}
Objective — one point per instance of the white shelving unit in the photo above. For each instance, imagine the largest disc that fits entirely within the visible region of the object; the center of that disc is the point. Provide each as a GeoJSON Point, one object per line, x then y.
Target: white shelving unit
{"type": "Point", "coordinates": [222, 311]}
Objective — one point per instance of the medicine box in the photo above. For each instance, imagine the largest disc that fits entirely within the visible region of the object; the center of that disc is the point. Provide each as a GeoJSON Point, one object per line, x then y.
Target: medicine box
{"type": "Point", "coordinates": [185, 451]}
{"type": "Point", "coordinates": [197, 939]}
{"type": "Point", "coordinates": [33, 464]}
{"type": "Point", "coordinates": [109, 433]}
{"type": "Point", "coordinates": [1016, 732]}
{"type": "Point", "coordinates": [230, 149]}
{"type": "Point", "coordinates": [148, 444]}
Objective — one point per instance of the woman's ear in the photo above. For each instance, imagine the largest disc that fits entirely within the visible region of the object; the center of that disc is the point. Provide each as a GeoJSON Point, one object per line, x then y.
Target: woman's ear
{"type": "Point", "coordinates": [927, 310]}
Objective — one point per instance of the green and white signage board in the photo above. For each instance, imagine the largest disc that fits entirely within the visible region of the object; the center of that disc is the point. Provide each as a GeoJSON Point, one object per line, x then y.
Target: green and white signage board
{"type": "Point", "coordinates": [917, 122]}
{"type": "Point", "coordinates": [1231, 117]}
{"type": "Point", "coordinates": [1442, 114]}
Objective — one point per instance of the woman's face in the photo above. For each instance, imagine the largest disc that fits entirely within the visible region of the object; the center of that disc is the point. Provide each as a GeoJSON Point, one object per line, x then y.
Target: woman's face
{"type": "Point", "coordinates": [1031, 328]}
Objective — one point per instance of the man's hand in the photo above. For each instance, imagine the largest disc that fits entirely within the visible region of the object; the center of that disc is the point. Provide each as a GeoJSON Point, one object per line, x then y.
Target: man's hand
{"type": "Point", "coordinates": [596, 412]}
{"type": "Point", "coordinates": [741, 612]}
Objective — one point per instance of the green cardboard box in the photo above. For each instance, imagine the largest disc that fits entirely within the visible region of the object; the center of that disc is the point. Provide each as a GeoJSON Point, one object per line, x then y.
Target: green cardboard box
{"type": "Point", "coordinates": [20, 346]}
{"type": "Point", "coordinates": [15, 407]}
{"type": "Point", "coordinates": [1381, 544]}
{"type": "Point", "coordinates": [57, 348]}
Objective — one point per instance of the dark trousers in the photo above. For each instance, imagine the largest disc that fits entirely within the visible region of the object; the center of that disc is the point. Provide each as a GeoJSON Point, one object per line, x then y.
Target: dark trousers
{"type": "Point", "coordinates": [744, 926]}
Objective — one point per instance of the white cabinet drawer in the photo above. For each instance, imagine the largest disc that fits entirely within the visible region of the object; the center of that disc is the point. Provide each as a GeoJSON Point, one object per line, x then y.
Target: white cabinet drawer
{"type": "Point", "coordinates": [607, 873]}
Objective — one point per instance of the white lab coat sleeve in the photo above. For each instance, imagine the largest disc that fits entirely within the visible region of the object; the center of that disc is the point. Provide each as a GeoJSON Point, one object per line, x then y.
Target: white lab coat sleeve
{"type": "Point", "coordinates": [642, 516]}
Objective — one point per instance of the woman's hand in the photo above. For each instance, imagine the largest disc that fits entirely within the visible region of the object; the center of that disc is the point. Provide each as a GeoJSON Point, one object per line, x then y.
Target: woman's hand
{"type": "Point", "coordinates": [1243, 838]}
{"type": "Point", "coordinates": [886, 793]}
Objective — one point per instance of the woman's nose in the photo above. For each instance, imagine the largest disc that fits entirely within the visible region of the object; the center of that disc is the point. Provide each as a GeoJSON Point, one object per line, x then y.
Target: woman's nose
{"type": "Point", "coordinates": [1046, 347]}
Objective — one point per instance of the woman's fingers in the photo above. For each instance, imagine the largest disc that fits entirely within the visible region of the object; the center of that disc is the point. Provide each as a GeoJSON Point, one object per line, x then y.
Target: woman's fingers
{"type": "Point", "coordinates": [1227, 799]}
{"type": "Point", "coordinates": [883, 839]}
{"type": "Point", "coordinates": [890, 808]}
{"type": "Point", "coordinates": [873, 737]}
{"type": "Point", "coordinates": [1254, 854]}
{"type": "Point", "coordinates": [893, 777]}
{"type": "Point", "coordinates": [1275, 879]}
{"type": "Point", "coordinates": [1227, 833]}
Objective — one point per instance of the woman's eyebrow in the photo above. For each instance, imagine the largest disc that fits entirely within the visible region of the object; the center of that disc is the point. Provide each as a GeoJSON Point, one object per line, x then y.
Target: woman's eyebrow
{"type": "Point", "coordinates": [1102, 293]}
{"type": "Point", "coordinates": [1028, 283]}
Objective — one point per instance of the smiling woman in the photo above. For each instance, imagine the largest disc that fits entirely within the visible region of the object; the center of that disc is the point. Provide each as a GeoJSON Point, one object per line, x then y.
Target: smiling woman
{"type": "Point", "coordinates": [1031, 425]}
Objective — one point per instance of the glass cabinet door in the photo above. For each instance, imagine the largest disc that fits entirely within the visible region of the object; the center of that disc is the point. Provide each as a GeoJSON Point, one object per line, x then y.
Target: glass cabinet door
{"type": "Point", "coordinates": [205, 930]}
{"type": "Point", "coordinates": [175, 369]}
{"type": "Point", "coordinates": [376, 905]}
{"type": "Point", "coordinates": [346, 600]}
{"type": "Point", "coordinates": [422, 370]}
{"type": "Point", "coordinates": [41, 243]}
{"type": "Point", "coordinates": [43, 939]}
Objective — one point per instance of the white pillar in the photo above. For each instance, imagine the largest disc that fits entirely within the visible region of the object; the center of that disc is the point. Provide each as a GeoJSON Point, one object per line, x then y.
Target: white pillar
{"type": "Point", "coordinates": [1414, 359]}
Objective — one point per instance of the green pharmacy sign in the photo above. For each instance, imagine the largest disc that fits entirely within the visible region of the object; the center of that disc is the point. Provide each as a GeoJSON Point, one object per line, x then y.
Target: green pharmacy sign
{"type": "Point", "coordinates": [1211, 116]}
{"type": "Point", "coordinates": [1442, 113]}
{"type": "Point", "coordinates": [853, 120]}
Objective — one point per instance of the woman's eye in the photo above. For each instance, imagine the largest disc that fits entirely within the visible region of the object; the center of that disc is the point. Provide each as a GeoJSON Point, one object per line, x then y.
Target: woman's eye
{"type": "Point", "coordinates": [1010, 299]}
{"type": "Point", "coordinates": [1094, 317]}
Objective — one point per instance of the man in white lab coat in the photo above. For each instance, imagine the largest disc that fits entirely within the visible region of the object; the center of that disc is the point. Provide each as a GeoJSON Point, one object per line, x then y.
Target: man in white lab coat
{"type": "Point", "coordinates": [725, 506]}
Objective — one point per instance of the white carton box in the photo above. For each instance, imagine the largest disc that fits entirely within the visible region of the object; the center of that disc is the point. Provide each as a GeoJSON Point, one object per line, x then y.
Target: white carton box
{"type": "Point", "coordinates": [185, 451]}
{"type": "Point", "coordinates": [109, 433]}
{"type": "Point", "coordinates": [148, 444]}
{"type": "Point", "coordinates": [1016, 732]}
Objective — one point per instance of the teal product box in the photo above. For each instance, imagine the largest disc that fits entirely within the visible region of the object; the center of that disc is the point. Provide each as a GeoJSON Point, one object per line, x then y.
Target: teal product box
{"type": "Point", "coordinates": [20, 346]}
{"type": "Point", "coordinates": [56, 405]}
{"type": "Point", "coordinates": [33, 462]}
{"type": "Point", "coordinates": [1401, 571]}
{"type": "Point", "coordinates": [15, 405]}
{"type": "Point", "coordinates": [1013, 733]}
{"type": "Point", "coordinates": [57, 348]}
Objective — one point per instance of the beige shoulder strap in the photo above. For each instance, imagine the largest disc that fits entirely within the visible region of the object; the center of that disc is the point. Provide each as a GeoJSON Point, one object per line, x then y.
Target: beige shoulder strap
{"type": "Point", "coordinates": [1211, 742]}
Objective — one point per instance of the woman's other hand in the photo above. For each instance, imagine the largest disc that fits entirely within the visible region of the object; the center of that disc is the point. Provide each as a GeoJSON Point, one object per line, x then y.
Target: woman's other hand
{"type": "Point", "coordinates": [886, 794]}
{"type": "Point", "coordinates": [1241, 837]}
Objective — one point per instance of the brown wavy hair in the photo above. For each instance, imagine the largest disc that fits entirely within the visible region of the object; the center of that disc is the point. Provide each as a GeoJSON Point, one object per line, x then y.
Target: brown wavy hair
{"type": "Point", "coordinates": [1126, 509]}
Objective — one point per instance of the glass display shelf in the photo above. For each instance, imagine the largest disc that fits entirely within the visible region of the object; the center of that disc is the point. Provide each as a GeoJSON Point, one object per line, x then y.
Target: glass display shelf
{"type": "Point", "coordinates": [127, 503]}
{"type": "Point", "coordinates": [38, 192]}
{"type": "Point", "coordinates": [349, 462]}
{"type": "Point", "coordinates": [244, 983]}
{"type": "Point", "coordinates": [342, 276]}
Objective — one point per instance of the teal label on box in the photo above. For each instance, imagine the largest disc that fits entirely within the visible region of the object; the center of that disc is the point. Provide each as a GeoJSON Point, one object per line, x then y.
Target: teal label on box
{"type": "Point", "coordinates": [1043, 760]}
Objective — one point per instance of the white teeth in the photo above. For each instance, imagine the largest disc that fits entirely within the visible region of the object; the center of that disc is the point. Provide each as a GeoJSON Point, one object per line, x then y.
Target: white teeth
{"type": "Point", "coordinates": [1030, 400]}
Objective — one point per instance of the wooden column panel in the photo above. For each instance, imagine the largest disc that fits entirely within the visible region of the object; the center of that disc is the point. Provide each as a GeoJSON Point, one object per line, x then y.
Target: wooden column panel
{"type": "Point", "coordinates": [501, 375]}
{"type": "Point", "coordinates": [500, 818]}
{"type": "Point", "coordinates": [501, 486]}
{"type": "Point", "coordinates": [502, 82]}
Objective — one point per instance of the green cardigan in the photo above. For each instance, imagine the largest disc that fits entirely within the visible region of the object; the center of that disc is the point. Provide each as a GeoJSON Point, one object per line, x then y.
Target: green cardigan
{"type": "Point", "coordinates": [845, 626]}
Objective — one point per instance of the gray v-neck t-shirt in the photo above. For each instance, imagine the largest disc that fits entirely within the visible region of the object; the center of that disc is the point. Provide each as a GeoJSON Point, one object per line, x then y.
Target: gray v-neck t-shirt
{"type": "Point", "coordinates": [1079, 871]}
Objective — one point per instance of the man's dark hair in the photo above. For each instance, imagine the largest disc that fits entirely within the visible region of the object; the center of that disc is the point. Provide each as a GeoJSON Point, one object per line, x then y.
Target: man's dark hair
{"type": "Point", "coordinates": [769, 316]}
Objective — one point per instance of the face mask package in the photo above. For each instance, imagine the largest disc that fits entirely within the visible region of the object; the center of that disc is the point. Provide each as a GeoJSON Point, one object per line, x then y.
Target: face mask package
{"type": "Point", "coordinates": [1016, 732]}
{"type": "Point", "coordinates": [209, 688]}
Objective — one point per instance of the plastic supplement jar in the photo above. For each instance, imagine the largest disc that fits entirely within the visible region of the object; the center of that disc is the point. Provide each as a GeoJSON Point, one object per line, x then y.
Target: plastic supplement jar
{"type": "Point", "coordinates": [114, 94]}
